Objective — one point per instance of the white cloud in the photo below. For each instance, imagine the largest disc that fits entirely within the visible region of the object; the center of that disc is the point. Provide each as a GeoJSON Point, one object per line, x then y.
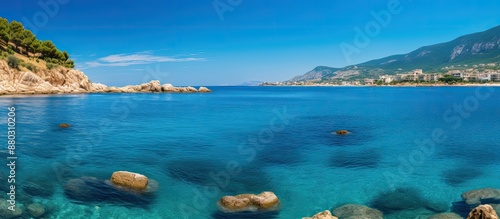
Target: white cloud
{"type": "Point", "coordinates": [139, 58]}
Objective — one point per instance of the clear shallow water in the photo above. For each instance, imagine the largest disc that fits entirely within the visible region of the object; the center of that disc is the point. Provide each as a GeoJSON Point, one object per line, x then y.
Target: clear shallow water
{"type": "Point", "coordinates": [278, 137]}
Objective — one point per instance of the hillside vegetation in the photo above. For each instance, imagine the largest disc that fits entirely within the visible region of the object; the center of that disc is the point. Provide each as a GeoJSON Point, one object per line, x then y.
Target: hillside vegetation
{"type": "Point", "coordinates": [21, 48]}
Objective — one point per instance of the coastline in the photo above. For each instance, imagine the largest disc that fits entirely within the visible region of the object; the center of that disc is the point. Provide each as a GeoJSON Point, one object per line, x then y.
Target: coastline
{"type": "Point", "coordinates": [396, 85]}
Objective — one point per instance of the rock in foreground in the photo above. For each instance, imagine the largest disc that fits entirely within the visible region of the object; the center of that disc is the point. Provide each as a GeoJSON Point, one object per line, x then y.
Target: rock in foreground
{"type": "Point", "coordinates": [357, 211]}
{"type": "Point", "coordinates": [266, 201]}
{"type": "Point", "coordinates": [483, 212]}
{"type": "Point", "coordinates": [322, 215]}
{"type": "Point", "coordinates": [130, 180]}
{"type": "Point", "coordinates": [476, 197]}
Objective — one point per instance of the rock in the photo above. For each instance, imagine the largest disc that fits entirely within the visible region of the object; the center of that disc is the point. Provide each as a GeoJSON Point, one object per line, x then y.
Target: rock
{"type": "Point", "coordinates": [6, 213]}
{"type": "Point", "coordinates": [36, 210]}
{"type": "Point", "coordinates": [322, 215]}
{"type": "Point", "coordinates": [445, 216]}
{"type": "Point", "coordinates": [191, 89]}
{"type": "Point", "coordinates": [357, 211]}
{"type": "Point", "coordinates": [130, 180]}
{"type": "Point", "coordinates": [93, 190]}
{"type": "Point", "coordinates": [483, 212]}
{"type": "Point", "coordinates": [265, 201]}
{"type": "Point", "coordinates": [167, 88]}
{"type": "Point", "coordinates": [39, 187]}
{"type": "Point", "coordinates": [342, 132]}
{"type": "Point", "coordinates": [64, 125]}
{"type": "Point", "coordinates": [204, 90]}
{"type": "Point", "coordinates": [476, 197]}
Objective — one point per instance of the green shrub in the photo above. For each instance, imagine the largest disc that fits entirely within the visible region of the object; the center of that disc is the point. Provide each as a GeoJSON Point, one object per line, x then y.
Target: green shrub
{"type": "Point", "coordinates": [31, 67]}
{"type": "Point", "coordinates": [13, 62]}
{"type": "Point", "coordinates": [10, 50]}
{"type": "Point", "coordinates": [51, 65]}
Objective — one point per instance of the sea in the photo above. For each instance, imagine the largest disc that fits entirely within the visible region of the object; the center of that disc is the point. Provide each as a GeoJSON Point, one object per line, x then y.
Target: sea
{"type": "Point", "coordinates": [410, 152]}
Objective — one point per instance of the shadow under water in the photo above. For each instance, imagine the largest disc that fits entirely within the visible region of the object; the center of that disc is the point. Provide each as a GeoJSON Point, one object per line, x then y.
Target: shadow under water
{"type": "Point", "coordinates": [250, 178]}
{"type": "Point", "coordinates": [364, 159]}
{"type": "Point", "coordinates": [246, 215]}
{"type": "Point", "coordinates": [88, 190]}
{"type": "Point", "coordinates": [460, 175]}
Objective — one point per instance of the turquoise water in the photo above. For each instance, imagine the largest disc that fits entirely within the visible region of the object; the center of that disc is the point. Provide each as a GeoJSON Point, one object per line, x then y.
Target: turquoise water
{"type": "Point", "coordinates": [200, 147]}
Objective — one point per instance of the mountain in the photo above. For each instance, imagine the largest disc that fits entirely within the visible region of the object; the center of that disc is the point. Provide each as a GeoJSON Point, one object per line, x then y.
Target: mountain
{"type": "Point", "coordinates": [315, 74]}
{"type": "Point", "coordinates": [476, 48]}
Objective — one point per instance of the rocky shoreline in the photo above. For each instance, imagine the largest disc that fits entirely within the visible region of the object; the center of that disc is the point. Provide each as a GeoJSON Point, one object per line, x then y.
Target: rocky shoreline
{"type": "Point", "coordinates": [62, 80]}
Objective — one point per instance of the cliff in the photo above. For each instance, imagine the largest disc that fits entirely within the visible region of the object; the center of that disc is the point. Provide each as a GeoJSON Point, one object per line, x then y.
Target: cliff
{"type": "Point", "coordinates": [63, 80]}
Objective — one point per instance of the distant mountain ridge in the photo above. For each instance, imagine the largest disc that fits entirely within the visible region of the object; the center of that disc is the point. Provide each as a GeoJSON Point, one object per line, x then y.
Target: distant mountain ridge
{"type": "Point", "coordinates": [476, 48]}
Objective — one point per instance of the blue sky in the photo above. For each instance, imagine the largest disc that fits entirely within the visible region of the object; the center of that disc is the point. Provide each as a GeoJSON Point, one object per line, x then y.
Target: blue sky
{"type": "Point", "coordinates": [225, 42]}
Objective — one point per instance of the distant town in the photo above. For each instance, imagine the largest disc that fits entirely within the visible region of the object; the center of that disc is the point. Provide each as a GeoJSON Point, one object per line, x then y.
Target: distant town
{"type": "Point", "coordinates": [460, 74]}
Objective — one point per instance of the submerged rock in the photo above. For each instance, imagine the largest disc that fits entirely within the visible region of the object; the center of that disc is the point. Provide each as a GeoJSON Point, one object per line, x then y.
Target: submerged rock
{"type": "Point", "coordinates": [36, 210]}
{"type": "Point", "coordinates": [130, 180]}
{"type": "Point", "coordinates": [322, 215]}
{"type": "Point", "coordinates": [39, 187]}
{"type": "Point", "coordinates": [357, 211]}
{"type": "Point", "coordinates": [342, 132]}
{"type": "Point", "coordinates": [64, 125]}
{"type": "Point", "coordinates": [265, 201]}
{"type": "Point", "coordinates": [483, 212]}
{"type": "Point", "coordinates": [481, 196]}
{"type": "Point", "coordinates": [445, 216]}
{"type": "Point", "coordinates": [6, 213]}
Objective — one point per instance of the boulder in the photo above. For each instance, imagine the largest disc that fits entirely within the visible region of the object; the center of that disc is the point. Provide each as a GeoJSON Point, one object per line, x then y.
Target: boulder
{"type": "Point", "coordinates": [191, 89]}
{"type": "Point", "coordinates": [322, 215]}
{"type": "Point", "coordinates": [204, 90]}
{"type": "Point", "coordinates": [130, 180]}
{"type": "Point", "coordinates": [357, 211]}
{"type": "Point", "coordinates": [265, 201]}
{"type": "Point", "coordinates": [41, 187]}
{"type": "Point", "coordinates": [483, 212]}
{"type": "Point", "coordinates": [93, 190]}
{"type": "Point", "coordinates": [342, 132]}
{"type": "Point", "coordinates": [476, 197]}
{"type": "Point", "coordinates": [167, 88]}
{"type": "Point", "coordinates": [35, 209]}
{"type": "Point", "coordinates": [446, 216]}
{"type": "Point", "coordinates": [64, 125]}
{"type": "Point", "coordinates": [6, 213]}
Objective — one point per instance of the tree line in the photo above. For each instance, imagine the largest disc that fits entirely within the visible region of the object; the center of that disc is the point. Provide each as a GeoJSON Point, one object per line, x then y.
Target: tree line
{"type": "Point", "coordinates": [16, 38]}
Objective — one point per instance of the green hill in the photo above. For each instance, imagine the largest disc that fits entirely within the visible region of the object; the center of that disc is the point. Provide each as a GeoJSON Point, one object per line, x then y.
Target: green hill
{"type": "Point", "coordinates": [20, 46]}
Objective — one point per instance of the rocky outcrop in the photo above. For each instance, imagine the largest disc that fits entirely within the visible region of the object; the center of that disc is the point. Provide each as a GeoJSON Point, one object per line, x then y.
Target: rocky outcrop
{"type": "Point", "coordinates": [445, 216]}
{"type": "Point", "coordinates": [204, 90]}
{"type": "Point", "coordinates": [130, 180]}
{"type": "Point", "coordinates": [357, 211]}
{"type": "Point", "coordinates": [63, 80]}
{"type": "Point", "coordinates": [483, 212]}
{"type": "Point", "coordinates": [476, 197]}
{"type": "Point", "coordinates": [322, 215]}
{"type": "Point", "coordinates": [265, 201]}
{"type": "Point", "coordinates": [342, 132]}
